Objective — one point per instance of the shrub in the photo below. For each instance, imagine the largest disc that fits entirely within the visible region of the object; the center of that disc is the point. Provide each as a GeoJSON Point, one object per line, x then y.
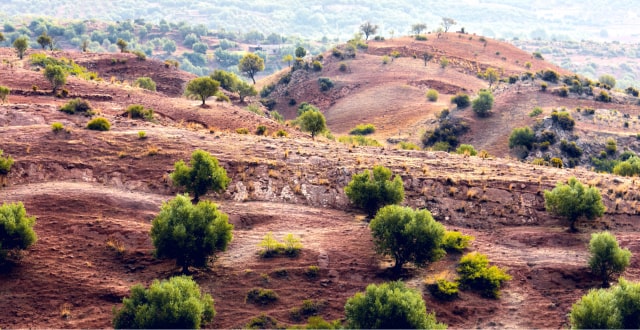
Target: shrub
{"type": "Point", "coordinates": [571, 149]}
{"type": "Point", "coordinates": [537, 55]}
{"type": "Point", "coordinates": [563, 119]}
{"type": "Point", "coordinates": [535, 112]}
{"type": "Point", "coordinates": [142, 135]}
{"type": "Point", "coordinates": [608, 80]}
{"type": "Point", "coordinates": [325, 83]}
{"type": "Point", "coordinates": [371, 191]}
{"type": "Point", "coordinates": [175, 303]}
{"type": "Point", "coordinates": [456, 241]}
{"type": "Point", "coordinates": [309, 308]}
{"type": "Point", "coordinates": [16, 228]}
{"type": "Point", "coordinates": [476, 274]}
{"type": "Point", "coordinates": [543, 86]}
{"type": "Point", "coordinates": [139, 111]}
{"type": "Point", "coordinates": [573, 201]}
{"type": "Point", "coordinates": [359, 140]}
{"type": "Point", "coordinates": [522, 137]}
{"type": "Point", "coordinates": [556, 162]}
{"type": "Point", "coordinates": [190, 233]}
{"type": "Point", "coordinates": [263, 322]}
{"type": "Point", "coordinates": [201, 88]}
{"type": "Point", "coordinates": [282, 133]}
{"type": "Point", "coordinates": [611, 147]}
{"type": "Point", "coordinates": [363, 129]}
{"type": "Point", "coordinates": [4, 93]}
{"type": "Point", "coordinates": [141, 56]}
{"type": "Point", "coordinates": [603, 96]}
{"type": "Point", "coordinates": [461, 100]}
{"type": "Point", "coordinates": [466, 149]}
{"type": "Point", "coordinates": [432, 95]}
{"type": "Point", "coordinates": [407, 235]}
{"type": "Point", "coordinates": [242, 130]}
{"type": "Point", "coordinates": [317, 66]}
{"type": "Point", "coordinates": [77, 106]}
{"type": "Point", "coordinates": [629, 167]}
{"type": "Point", "coordinates": [99, 124]}
{"type": "Point", "coordinates": [313, 271]}
{"type": "Point", "coordinates": [607, 258]}
{"type": "Point", "coordinates": [407, 146]}
{"type": "Point", "coordinates": [57, 127]}
{"type": "Point", "coordinates": [203, 173]}
{"type": "Point", "coordinates": [547, 136]}
{"type": "Point", "coordinates": [632, 91]}
{"type": "Point", "coordinates": [550, 76]}
{"type": "Point", "coordinates": [421, 37]}
{"type": "Point", "coordinates": [483, 103]}
{"type": "Point", "coordinates": [269, 103]}
{"type": "Point", "coordinates": [389, 306]}
{"type": "Point", "coordinates": [444, 61]}
{"type": "Point", "coordinates": [614, 308]}
{"type": "Point", "coordinates": [260, 296]}
{"type": "Point", "coordinates": [291, 246]}
{"type": "Point", "coordinates": [563, 91]}
{"type": "Point", "coordinates": [313, 122]}
{"type": "Point", "coordinates": [146, 83]}
{"type": "Point", "coordinates": [5, 165]}
{"type": "Point", "coordinates": [443, 289]}
{"type": "Point", "coordinates": [343, 67]}
{"type": "Point", "coordinates": [261, 130]}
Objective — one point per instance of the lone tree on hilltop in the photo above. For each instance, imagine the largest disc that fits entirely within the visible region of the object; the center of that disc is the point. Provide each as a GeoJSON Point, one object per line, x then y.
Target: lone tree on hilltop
{"type": "Point", "coordinates": [175, 303]}
{"type": "Point", "coordinates": [203, 173]}
{"type": "Point", "coordinates": [250, 64]}
{"type": "Point", "coordinates": [407, 235]}
{"type": "Point", "coordinates": [16, 228]}
{"type": "Point", "coordinates": [607, 258]}
{"type": "Point", "coordinates": [56, 75]}
{"type": "Point", "coordinates": [447, 23]}
{"type": "Point", "coordinates": [202, 88]}
{"type": "Point", "coordinates": [44, 40]}
{"type": "Point", "coordinates": [573, 201]}
{"type": "Point", "coordinates": [21, 44]}
{"type": "Point", "coordinates": [418, 28]}
{"type": "Point", "coordinates": [312, 122]}
{"type": "Point", "coordinates": [371, 191]}
{"type": "Point", "coordinates": [190, 233]}
{"type": "Point", "coordinates": [389, 306]}
{"type": "Point", "coordinates": [368, 29]}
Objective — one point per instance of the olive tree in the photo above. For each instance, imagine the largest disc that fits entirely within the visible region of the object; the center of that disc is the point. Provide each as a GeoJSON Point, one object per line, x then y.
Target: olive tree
{"type": "Point", "coordinates": [56, 75]}
{"type": "Point", "coordinates": [483, 103]}
{"type": "Point", "coordinates": [418, 28]}
{"type": "Point", "coordinates": [44, 40]}
{"type": "Point", "coordinates": [190, 233]}
{"type": "Point", "coordinates": [122, 45]}
{"type": "Point", "coordinates": [245, 89]}
{"type": "Point", "coordinates": [371, 191]}
{"type": "Point", "coordinates": [312, 122]}
{"type": "Point", "coordinates": [16, 228]}
{"type": "Point", "coordinates": [389, 306]}
{"type": "Point", "coordinates": [447, 23]}
{"type": "Point", "coordinates": [368, 29]}
{"type": "Point", "coordinates": [607, 258]}
{"type": "Point", "coordinates": [407, 235]}
{"type": "Point", "coordinates": [21, 44]}
{"type": "Point", "coordinates": [574, 200]}
{"type": "Point", "coordinates": [202, 174]}
{"type": "Point", "coordinates": [250, 64]}
{"type": "Point", "coordinates": [176, 303]}
{"type": "Point", "coordinates": [202, 88]}
{"type": "Point", "coordinates": [614, 308]}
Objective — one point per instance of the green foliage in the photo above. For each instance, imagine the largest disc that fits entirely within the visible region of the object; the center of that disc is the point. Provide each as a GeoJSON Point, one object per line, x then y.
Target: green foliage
{"type": "Point", "coordinates": [245, 89]}
{"type": "Point", "coordinates": [175, 303]}
{"type": "Point", "coordinates": [607, 258]}
{"type": "Point", "coordinates": [368, 29]}
{"type": "Point", "coordinates": [535, 112]}
{"type": "Point", "coordinates": [263, 321]}
{"type": "Point", "coordinates": [313, 271]}
{"type": "Point", "coordinates": [403, 145]}
{"type": "Point", "coordinates": [304, 107]}
{"type": "Point", "coordinates": [603, 96]}
{"type": "Point", "coordinates": [550, 76]}
{"type": "Point", "coordinates": [16, 228]}
{"type": "Point", "coordinates": [444, 290]}
{"type": "Point", "coordinates": [466, 149]}
{"type": "Point", "coordinates": [227, 80]}
{"type": "Point", "coordinates": [446, 134]}
{"type": "Point", "coordinates": [122, 45]}
{"type": "Point", "coordinates": [99, 124]}
{"type": "Point", "coordinates": [432, 95]}
{"type": "Point", "coordinates": [77, 105]}
{"type": "Point", "coordinates": [573, 201]}
{"type": "Point", "coordinates": [461, 100]}
{"type": "Point", "coordinates": [563, 119]}
{"type": "Point", "coordinates": [444, 61]}
{"type": "Point", "coordinates": [629, 167]}
{"type": "Point", "coordinates": [611, 147]}
{"type": "Point", "coordinates": [141, 56]}
{"type": "Point", "coordinates": [266, 90]}
{"type": "Point", "coordinates": [476, 274]}
{"type": "Point", "coordinates": [389, 306]}
{"type": "Point", "coordinates": [371, 191]}
{"type": "Point", "coordinates": [522, 136]}
{"type": "Point", "coordinates": [69, 66]}
{"type": "Point", "coordinates": [57, 127]}
{"type": "Point", "coordinates": [4, 93]}
{"type": "Point", "coordinates": [317, 66]}
{"type": "Point", "coordinates": [571, 149]}
{"type": "Point", "coordinates": [290, 246]}
{"type": "Point", "coordinates": [142, 135]}
{"type": "Point", "coordinates": [190, 233]}
{"type": "Point", "coordinates": [312, 122]}
{"type": "Point", "coordinates": [456, 241]}
{"type": "Point", "coordinates": [543, 86]}
{"type": "Point", "coordinates": [139, 111]}
{"type": "Point", "coordinates": [5, 164]}
{"type": "Point", "coordinates": [203, 173]}
{"type": "Point", "coordinates": [250, 64]}
{"type": "Point", "coordinates": [44, 40]}
{"type": "Point", "coordinates": [202, 88]}
{"type": "Point", "coordinates": [260, 296]}
{"type": "Point", "coordinates": [359, 140]}
{"type": "Point", "coordinates": [407, 235]}
{"type": "Point", "coordinates": [56, 75]}
{"type": "Point", "coordinates": [146, 83]}
{"type": "Point", "coordinates": [608, 80]}
{"type": "Point", "coordinates": [325, 83]}
{"type": "Point", "coordinates": [300, 52]}
{"type": "Point", "coordinates": [363, 129]}
{"type": "Point", "coordinates": [614, 308]}
{"type": "Point", "coordinates": [261, 130]}
{"type": "Point", "coordinates": [21, 44]}
{"type": "Point", "coordinates": [309, 308]}
{"type": "Point", "coordinates": [483, 103]}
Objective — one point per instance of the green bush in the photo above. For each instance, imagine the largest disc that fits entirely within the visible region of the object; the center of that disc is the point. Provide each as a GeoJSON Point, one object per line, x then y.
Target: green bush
{"type": "Point", "coordinates": [550, 76]}
{"type": "Point", "coordinates": [403, 145]}
{"type": "Point", "coordinates": [138, 111]}
{"type": "Point", "coordinates": [563, 119]}
{"type": "Point", "coordinates": [57, 127]}
{"type": "Point", "coordinates": [611, 147]}
{"type": "Point", "coordinates": [614, 308]}
{"type": "Point", "coordinates": [141, 56]}
{"type": "Point", "coordinates": [607, 258]}
{"type": "Point", "coordinates": [99, 124]}
{"type": "Point", "coordinates": [522, 137]}
{"type": "Point", "coordinates": [483, 103]}
{"type": "Point", "coordinates": [16, 228]}
{"type": "Point", "coordinates": [603, 96]}
{"type": "Point", "coordinates": [446, 134]}
{"type": "Point", "coordinates": [571, 149]}
{"type": "Point", "coordinates": [260, 296]}
{"type": "Point", "coordinates": [242, 130]}
{"type": "Point", "coordinates": [309, 308]}
{"type": "Point", "coordinates": [544, 86]}
{"type": "Point", "coordinates": [190, 233]}
{"type": "Point", "coordinates": [363, 129]}
{"type": "Point", "coordinates": [317, 66]}
{"type": "Point", "coordinates": [443, 289]}
{"type": "Point", "coordinates": [389, 306]}
{"type": "Point", "coordinates": [202, 174]}
{"type": "Point", "coordinates": [142, 135]}
{"type": "Point", "coordinates": [629, 167]}
{"type": "Point", "coordinates": [313, 122]}
{"type": "Point", "coordinates": [263, 321]}
{"type": "Point", "coordinates": [359, 140]}
{"type": "Point", "coordinates": [261, 130]}
{"type": "Point", "coordinates": [77, 105]}
{"type": "Point", "coordinates": [461, 100]}
{"type": "Point", "coordinates": [343, 67]}
{"type": "Point", "coordinates": [456, 241]}
{"type": "Point", "coordinates": [289, 246]}
{"type": "Point", "coordinates": [146, 83]}
{"type": "Point", "coordinates": [574, 200]}
{"type": "Point", "coordinates": [175, 303]}
{"type": "Point", "coordinates": [432, 95]}
{"type": "Point", "coordinates": [5, 165]}
{"type": "Point", "coordinates": [313, 271]}
{"type": "Point", "coordinates": [466, 149]}
{"type": "Point", "coordinates": [371, 191]}
{"type": "Point", "coordinates": [4, 93]}
{"type": "Point", "coordinates": [476, 274]}
{"type": "Point", "coordinates": [420, 37]}
{"type": "Point", "coordinates": [407, 235]}
{"type": "Point", "coordinates": [535, 112]}
{"type": "Point", "coordinates": [563, 91]}
{"type": "Point", "coordinates": [325, 83]}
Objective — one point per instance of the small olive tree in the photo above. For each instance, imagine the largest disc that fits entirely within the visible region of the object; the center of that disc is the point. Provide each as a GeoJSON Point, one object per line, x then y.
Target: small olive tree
{"type": "Point", "coordinates": [371, 191]}
{"type": "Point", "coordinates": [607, 258]}
{"type": "Point", "coordinates": [16, 228]}
{"type": "Point", "coordinates": [389, 306]}
{"type": "Point", "coordinates": [312, 122]}
{"type": "Point", "coordinates": [202, 174]}
{"type": "Point", "coordinates": [574, 200]}
{"type": "Point", "coordinates": [368, 29]}
{"type": "Point", "coordinates": [56, 75]}
{"type": "Point", "coordinates": [483, 103]}
{"type": "Point", "coordinates": [614, 308]}
{"type": "Point", "coordinates": [21, 44]}
{"type": "Point", "coordinates": [202, 88]}
{"type": "Point", "coordinates": [250, 64]}
{"type": "Point", "coordinates": [190, 233]}
{"type": "Point", "coordinates": [407, 235]}
{"type": "Point", "coordinates": [176, 303]}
